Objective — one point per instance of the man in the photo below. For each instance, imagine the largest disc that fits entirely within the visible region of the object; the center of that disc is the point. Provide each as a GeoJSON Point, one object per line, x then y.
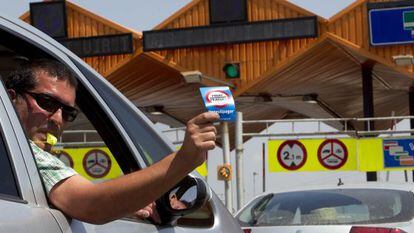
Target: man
{"type": "Point", "coordinates": [178, 204]}
{"type": "Point", "coordinates": [43, 93]}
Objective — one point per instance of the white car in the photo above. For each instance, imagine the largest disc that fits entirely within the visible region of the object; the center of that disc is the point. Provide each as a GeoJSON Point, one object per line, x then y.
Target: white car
{"type": "Point", "coordinates": [126, 132]}
{"type": "Point", "coordinates": [366, 208]}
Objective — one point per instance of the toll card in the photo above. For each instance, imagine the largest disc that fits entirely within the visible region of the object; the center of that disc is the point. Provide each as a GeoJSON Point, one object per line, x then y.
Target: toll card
{"type": "Point", "coordinates": [219, 100]}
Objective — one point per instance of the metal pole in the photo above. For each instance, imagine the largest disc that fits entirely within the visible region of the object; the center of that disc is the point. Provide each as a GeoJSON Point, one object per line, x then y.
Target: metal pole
{"type": "Point", "coordinates": [411, 109]}
{"type": "Point", "coordinates": [406, 176]}
{"type": "Point", "coordinates": [264, 166]}
{"type": "Point", "coordinates": [239, 160]}
{"type": "Point", "coordinates": [368, 98]}
{"type": "Point", "coordinates": [226, 159]}
{"type": "Point", "coordinates": [254, 183]}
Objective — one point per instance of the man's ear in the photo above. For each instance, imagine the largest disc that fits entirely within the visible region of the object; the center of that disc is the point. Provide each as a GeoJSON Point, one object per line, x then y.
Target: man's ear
{"type": "Point", "coordinates": [12, 94]}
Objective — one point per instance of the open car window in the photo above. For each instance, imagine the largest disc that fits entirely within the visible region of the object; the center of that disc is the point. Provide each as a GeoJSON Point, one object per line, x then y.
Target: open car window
{"type": "Point", "coordinates": [91, 144]}
{"type": "Point", "coordinates": [109, 138]}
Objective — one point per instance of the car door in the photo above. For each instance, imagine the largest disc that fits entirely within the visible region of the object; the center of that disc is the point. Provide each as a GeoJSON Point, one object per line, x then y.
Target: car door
{"type": "Point", "coordinates": [22, 209]}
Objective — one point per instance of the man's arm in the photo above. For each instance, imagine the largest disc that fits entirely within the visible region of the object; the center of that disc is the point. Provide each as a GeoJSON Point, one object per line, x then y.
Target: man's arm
{"type": "Point", "coordinates": [100, 203]}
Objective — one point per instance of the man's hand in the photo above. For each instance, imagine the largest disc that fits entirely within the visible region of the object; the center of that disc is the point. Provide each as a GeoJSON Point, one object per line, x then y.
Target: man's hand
{"type": "Point", "coordinates": [200, 137]}
{"type": "Point", "coordinates": [149, 211]}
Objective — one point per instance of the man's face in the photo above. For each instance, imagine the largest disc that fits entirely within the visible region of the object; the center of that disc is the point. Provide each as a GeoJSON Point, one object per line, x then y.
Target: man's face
{"type": "Point", "coordinates": [38, 121]}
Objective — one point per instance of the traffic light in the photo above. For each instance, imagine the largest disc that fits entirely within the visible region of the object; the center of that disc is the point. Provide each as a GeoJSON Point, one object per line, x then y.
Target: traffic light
{"type": "Point", "coordinates": [232, 70]}
{"type": "Point", "coordinates": [224, 172]}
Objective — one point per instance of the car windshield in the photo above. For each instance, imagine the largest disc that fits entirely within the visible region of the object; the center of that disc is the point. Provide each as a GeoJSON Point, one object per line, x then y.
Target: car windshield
{"type": "Point", "coordinates": [329, 207]}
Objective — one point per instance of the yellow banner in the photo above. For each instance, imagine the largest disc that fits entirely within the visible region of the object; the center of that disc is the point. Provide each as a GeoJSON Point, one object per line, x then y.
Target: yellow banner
{"type": "Point", "coordinates": [364, 154]}
{"type": "Point", "coordinates": [202, 170]}
{"type": "Point", "coordinates": [370, 154]}
{"type": "Point", "coordinates": [302, 155]}
{"type": "Point", "coordinates": [92, 163]}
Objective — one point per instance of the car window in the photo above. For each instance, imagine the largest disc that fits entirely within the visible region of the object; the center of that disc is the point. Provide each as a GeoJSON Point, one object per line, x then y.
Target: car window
{"type": "Point", "coordinates": [8, 187]}
{"type": "Point", "coordinates": [330, 207]}
{"type": "Point", "coordinates": [148, 141]}
{"type": "Point", "coordinates": [90, 144]}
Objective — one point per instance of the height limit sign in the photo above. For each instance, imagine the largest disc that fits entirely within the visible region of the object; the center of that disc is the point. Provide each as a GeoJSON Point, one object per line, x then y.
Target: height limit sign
{"type": "Point", "coordinates": [291, 155]}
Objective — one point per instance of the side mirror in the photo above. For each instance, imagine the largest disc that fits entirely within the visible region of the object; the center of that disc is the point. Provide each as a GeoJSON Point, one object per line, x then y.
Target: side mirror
{"type": "Point", "coordinates": [187, 196]}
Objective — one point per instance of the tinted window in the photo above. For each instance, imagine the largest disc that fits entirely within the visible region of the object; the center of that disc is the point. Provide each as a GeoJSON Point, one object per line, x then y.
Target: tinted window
{"type": "Point", "coordinates": [329, 207]}
{"type": "Point", "coordinates": [7, 180]}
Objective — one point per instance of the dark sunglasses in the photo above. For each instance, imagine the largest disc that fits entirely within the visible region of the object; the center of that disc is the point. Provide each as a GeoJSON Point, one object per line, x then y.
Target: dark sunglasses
{"type": "Point", "coordinates": [51, 105]}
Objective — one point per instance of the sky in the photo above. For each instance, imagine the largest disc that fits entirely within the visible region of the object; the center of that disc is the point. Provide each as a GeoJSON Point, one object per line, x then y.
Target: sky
{"type": "Point", "coordinates": [146, 14]}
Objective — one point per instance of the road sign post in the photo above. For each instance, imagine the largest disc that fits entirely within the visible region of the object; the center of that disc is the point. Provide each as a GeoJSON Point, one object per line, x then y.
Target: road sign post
{"type": "Point", "coordinates": [239, 160]}
{"type": "Point", "coordinates": [226, 160]}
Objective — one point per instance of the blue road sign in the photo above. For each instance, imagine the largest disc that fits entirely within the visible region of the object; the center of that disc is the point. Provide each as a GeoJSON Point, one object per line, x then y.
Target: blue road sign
{"type": "Point", "coordinates": [391, 26]}
{"type": "Point", "coordinates": [398, 152]}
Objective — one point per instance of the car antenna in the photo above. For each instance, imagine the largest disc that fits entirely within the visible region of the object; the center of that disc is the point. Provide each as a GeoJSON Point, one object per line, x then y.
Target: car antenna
{"type": "Point", "coordinates": [340, 182]}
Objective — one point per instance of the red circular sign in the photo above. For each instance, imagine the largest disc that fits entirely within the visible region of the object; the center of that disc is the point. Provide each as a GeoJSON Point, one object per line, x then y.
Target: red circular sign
{"type": "Point", "coordinates": [97, 163]}
{"type": "Point", "coordinates": [332, 154]}
{"type": "Point", "coordinates": [64, 157]}
{"type": "Point", "coordinates": [291, 155]}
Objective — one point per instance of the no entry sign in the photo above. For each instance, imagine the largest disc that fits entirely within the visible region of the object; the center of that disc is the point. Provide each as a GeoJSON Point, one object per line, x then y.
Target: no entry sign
{"type": "Point", "coordinates": [65, 158]}
{"type": "Point", "coordinates": [291, 155]}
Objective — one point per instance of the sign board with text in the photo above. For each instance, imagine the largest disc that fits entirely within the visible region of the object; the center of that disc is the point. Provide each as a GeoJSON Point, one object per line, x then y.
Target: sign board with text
{"type": "Point", "coordinates": [398, 153]}
{"type": "Point", "coordinates": [389, 26]}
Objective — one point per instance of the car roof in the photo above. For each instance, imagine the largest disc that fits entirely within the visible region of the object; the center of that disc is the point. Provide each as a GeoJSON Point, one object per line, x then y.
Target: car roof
{"type": "Point", "coordinates": [370, 185]}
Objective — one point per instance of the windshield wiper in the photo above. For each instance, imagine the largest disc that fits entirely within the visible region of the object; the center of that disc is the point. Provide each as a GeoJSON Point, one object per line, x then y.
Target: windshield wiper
{"type": "Point", "coordinates": [257, 209]}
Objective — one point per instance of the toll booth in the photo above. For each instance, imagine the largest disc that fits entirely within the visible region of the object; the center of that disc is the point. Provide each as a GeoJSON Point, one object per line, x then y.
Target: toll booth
{"type": "Point", "coordinates": [280, 60]}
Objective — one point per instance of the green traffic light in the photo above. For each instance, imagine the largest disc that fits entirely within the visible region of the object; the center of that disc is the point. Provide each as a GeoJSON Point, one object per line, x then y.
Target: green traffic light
{"type": "Point", "coordinates": [232, 70]}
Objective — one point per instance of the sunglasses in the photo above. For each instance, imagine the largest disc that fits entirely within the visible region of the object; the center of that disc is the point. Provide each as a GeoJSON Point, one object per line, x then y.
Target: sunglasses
{"type": "Point", "coordinates": [51, 105]}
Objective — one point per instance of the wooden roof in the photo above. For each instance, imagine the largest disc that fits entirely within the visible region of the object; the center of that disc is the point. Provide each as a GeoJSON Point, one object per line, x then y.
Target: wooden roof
{"type": "Point", "coordinates": [332, 69]}
{"type": "Point", "coordinates": [329, 66]}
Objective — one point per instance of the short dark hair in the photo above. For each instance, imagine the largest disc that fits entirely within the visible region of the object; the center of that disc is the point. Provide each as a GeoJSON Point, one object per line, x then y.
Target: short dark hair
{"type": "Point", "coordinates": [24, 78]}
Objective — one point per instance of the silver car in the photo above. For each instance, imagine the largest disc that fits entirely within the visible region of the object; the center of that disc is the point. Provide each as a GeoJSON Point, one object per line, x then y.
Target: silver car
{"type": "Point", "coordinates": [367, 208]}
{"type": "Point", "coordinates": [124, 130]}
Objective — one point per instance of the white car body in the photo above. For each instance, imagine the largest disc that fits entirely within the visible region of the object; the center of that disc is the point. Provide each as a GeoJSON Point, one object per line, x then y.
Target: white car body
{"type": "Point", "coordinates": [329, 214]}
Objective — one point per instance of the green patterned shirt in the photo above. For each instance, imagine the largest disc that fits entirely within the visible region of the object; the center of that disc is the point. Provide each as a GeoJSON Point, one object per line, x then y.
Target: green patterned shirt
{"type": "Point", "coordinates": [50, 167]}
